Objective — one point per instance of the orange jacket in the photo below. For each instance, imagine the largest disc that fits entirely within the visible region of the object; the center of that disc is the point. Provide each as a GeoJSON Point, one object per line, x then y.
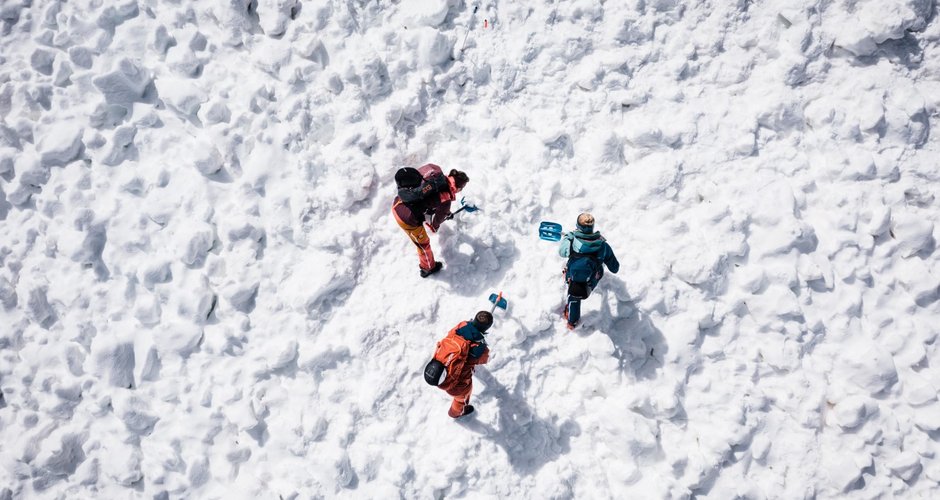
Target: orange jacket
{"type": "Point", "coordinates": [454, 351]}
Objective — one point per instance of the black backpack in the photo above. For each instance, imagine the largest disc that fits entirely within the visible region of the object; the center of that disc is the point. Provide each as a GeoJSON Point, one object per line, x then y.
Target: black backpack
{"type": "Point", "coordinates": [413, 189]}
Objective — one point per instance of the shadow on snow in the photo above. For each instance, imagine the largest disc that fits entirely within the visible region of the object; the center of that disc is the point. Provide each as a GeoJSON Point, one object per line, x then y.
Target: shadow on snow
{"type": "Point", "coordinates": [530, 442]}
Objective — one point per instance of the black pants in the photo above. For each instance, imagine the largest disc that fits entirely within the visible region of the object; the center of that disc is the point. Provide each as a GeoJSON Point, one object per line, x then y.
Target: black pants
{"type": "Point", "coordinates": [576, 293]}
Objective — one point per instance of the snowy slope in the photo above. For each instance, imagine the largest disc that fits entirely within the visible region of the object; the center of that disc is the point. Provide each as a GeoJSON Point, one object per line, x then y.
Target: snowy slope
{"type": "Point", "coordinates": [203, 293]}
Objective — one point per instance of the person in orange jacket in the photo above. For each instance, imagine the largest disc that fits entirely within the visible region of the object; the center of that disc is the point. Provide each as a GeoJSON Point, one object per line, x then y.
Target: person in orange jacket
{"type": "Point", "coordinates": [456, 356]}
{"type": "Point", "coordinates": [434, 205]}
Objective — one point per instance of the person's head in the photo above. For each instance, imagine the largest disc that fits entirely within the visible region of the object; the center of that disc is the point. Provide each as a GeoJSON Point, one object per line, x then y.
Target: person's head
{"type": "Point", "coordinates": [460, 179]}
{"type": "Point", "coordinates": [483, 321]}
{"type": "Point", "coordinates": [586, 223]}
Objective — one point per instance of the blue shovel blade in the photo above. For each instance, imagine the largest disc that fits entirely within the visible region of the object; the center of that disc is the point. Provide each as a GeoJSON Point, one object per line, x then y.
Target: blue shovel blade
{"type": "Point", "coordinates": [502, 303]}
{"type": "Point", "coordinates": [550, 231]}
{"type": "Point", "coordinates": [467, 207]}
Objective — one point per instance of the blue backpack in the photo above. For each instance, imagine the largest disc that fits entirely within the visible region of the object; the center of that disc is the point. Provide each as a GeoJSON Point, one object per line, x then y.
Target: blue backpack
{"type": "Point", "coordinates": [583, 267]}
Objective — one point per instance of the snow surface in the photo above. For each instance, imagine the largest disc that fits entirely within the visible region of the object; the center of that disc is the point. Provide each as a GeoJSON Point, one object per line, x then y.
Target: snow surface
{"type": "Point", "coordinates": [203, 293]}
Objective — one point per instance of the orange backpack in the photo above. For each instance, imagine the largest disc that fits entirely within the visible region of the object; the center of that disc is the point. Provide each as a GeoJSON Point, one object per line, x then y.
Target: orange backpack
{"type": "Point", "coordinates": [452, 352]}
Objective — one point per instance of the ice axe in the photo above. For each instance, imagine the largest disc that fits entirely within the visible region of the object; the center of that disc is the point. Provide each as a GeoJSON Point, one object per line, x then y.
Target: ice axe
{"type": "Point", "coordinates": [498, 301]}
{"type": "Point", "coordinates": [469, 207]}
{"type": "Point", "coordinates": [550, 231]}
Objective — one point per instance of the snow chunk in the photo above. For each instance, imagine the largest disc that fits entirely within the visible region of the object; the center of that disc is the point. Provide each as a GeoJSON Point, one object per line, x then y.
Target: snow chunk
{"type": "Point", "coordinates": [434, 47]}
{"type": "Point", "coordinates": [82, 57]}
{"type": "Point", "coordinates": [162, 40]}
{"type": "Point", "coordinates": [927, 418]}
{"type": "Point", "coordinates": [123, 461]}
{"type": "Point", "coordinates": [39, 308]}
{"type": "Point", "coordinates": [844, 469]}
{"type": "Point", "coordinates": [147, 309]}
{"type": "Point", "coordinates": [117, 13]}
{"type": "Point", "coordinates": [198, 239]}
{"type": "Point", "coordinates": [860, 26]}
{"type": "Point", "coordinates": [125, 84]}
{"type": "Point", "coordinates": [374, 79]}
{"type": "Point", "coordinates": [183, 61]}
{"type": "Point", "coordinates": [8, 296]}
{"type": "Point", "coordinates": [880, 221]}
{"type": "Point", "coordinates": [309, 283]}
{"type": "Point", "coordinates": [59, 456]}
{"type": "Point", "coordinates": [134, 412]}
{"type": "Point", "coordinates": [852, 412]}
{"type": "Point", "coordinates": [276, 356]}
{"type": "Point", "coordinates": [199, 474]}
{"type": "Point", "coordinates": [918, 390]}
{"type": "Point", "coordinates": [177, 338]}
{"type": "Point", "coordinates": [906, 465]}
{"type": "Point", "coordinates": [113, 360]}
{"type": "Point", "coordinates": [207, 158]}
{"type": "Point", "coordinates": [242, 295]}
{"type": "Point", "coordinates": [122, 139]}
{"type": "Point", "coordinates": [154, 273]}
{"type": "Point", "coordinates": [61, 144]}
{"type": "Point", "coordinates": [275, 14]}
{"type": "Point", "coordinates": [868, 366]}
{"type": "Point", "coordinates": [913, 233]}
{"type": "Point", "coordinates": [314, 50]}
{"type": "Point", "coordinates": [42, 60]}
{"type": "Point", "coordinates": [181, 95]}
{"type": "Point", "coordinates": [218, 112]}
{"type": "Point", "coordinates": [7, 158]}
{"type": "Point", "coordinates": [760, 447]}
{"type": "Point", "coordinates": [429, 12]}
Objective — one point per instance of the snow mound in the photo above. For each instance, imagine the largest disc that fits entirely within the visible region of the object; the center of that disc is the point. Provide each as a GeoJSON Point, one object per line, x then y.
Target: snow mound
{"type": "Point", "coordinates": [125, 84]}
{"type": "Point", "coordinates": [861, 26]}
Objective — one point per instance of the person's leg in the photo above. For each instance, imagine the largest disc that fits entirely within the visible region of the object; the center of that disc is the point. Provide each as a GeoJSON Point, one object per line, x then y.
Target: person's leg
{"type": "Point", "coordinates": [461, 394]}
{"type": "Point", "coordinates": [574, 310]}
{"type": "Point", "coordinates": [419, 236]}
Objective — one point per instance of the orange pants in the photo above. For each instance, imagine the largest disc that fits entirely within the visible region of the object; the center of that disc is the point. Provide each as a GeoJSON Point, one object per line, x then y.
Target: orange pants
{"type": "Point", "coordinates": [419, 236]}
{"type": "Point", "coordinates": [461, 393]}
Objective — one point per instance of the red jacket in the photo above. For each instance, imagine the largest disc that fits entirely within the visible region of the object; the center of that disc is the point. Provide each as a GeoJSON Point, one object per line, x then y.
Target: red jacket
{"type": "Point", "coordinates": [438, 207]}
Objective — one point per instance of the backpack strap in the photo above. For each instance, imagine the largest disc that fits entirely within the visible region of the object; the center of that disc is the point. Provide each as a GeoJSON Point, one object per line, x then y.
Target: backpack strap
{"type": "Point", "coordinates": [574, 255]}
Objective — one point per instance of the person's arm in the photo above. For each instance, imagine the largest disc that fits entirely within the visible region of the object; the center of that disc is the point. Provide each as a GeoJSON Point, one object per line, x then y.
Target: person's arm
{"type": "Point", "coordinates": [564, 247]}
{"type": "Point", "coordinates": [611, 260]}
{"type": "Point", "coordinates": [483, 357]}
{"type": "Point", "coordinates": [440, 213]}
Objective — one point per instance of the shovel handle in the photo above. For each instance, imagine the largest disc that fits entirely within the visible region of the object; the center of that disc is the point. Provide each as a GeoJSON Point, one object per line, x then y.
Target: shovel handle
{"type": "Point", "coordinates": [452, 214]}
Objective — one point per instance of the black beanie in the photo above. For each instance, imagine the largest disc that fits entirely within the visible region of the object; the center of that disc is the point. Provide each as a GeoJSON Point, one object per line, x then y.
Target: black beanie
{"type": "Point", "coordinates": [483, 321]}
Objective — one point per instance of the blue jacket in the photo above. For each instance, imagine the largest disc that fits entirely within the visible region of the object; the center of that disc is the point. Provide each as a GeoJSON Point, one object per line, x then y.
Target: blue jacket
{"type": "Point", "coordinates": [478, 342]}
{"type": "Point", "coordinates": [590, 243]}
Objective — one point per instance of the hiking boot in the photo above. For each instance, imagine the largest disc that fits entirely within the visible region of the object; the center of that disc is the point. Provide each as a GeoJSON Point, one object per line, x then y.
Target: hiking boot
{"type": "Point", "coordinates": [427, 272]}
{"type": "Point", "coordinates": [466, 411]}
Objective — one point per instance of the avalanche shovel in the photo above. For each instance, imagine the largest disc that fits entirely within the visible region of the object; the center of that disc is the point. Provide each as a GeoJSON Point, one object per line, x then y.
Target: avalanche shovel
{"type": "Point", "coordinates": [550, 231]}
{"type": "Point", "coordinates": [498, 301]}
{"type": "Point", "coordinates": [470, 208]}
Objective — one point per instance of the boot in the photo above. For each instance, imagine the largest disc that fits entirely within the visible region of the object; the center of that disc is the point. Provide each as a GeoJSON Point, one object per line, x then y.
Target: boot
{"type": "Point", "coordinates": [427, 272]}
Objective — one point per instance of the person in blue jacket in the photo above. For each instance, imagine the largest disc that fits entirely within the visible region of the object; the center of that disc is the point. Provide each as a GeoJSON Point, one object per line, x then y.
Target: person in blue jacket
{"type": "Point", "coordinates": [587, 252]}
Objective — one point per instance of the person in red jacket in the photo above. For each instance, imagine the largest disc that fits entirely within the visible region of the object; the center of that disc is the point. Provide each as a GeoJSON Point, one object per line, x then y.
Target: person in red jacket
{"type": "Point", "coordinates": [456, 356]}
{"type": "Point", "coordinates": [429, 211]}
